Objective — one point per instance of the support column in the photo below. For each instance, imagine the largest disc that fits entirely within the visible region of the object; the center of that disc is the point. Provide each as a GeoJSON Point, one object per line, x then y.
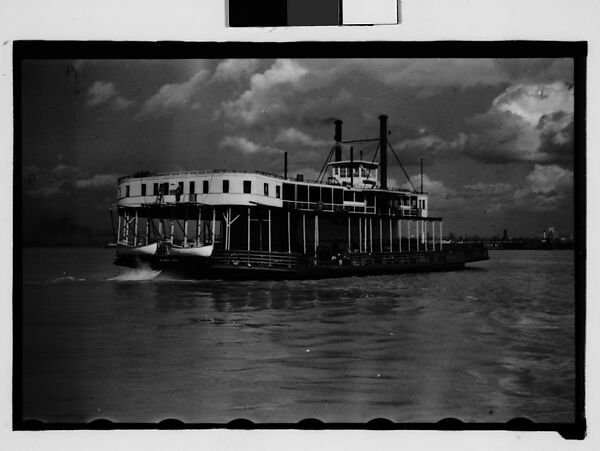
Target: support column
{"type": "Point", "coordinates": [229, 216]}
{"type": "Point", "coordinates": [316, 233]}
{"type": "Point", "coordinates": [399, 235]}
{"type": "Point", "coordinates": [135, 229]}
{"type": "Point", "coordinates": [119, 227]}
{"type": "Point", "coordinates": [126, 234]}
{"type": "Point", "coordinates": [148, 228]}
{"type": "Point", "coordinates": [417, 233]}
{"type": "Point", "coordinates": [260, 234]}
{"type": "Point", "coordinates": [391, 240]}
{"type": "Point", "coordinates": [304, 232]}
{"type": "Point", "coordinates": [269, 237]}
{"type": "Point", "coordinates": [349, 234]}
{"type": "Point", "coordinates": [360, 238]}
{"type": "Point", "coordinates": [161, 226]}
{"type": "Point", "coordinates": [441, 237]}
{"type": "Point", "coordinates": [214, 220]}
{"type": "Point", "coordinates": [380, 235]}
{"type": "Point", "coordinates": [185, 229]}
{"type": "Point", "coordinates": [289, 234]}
{"type": "Point", "coordinates": [371, 235]}
{"type": "Point", "coordinates": [198, 227]}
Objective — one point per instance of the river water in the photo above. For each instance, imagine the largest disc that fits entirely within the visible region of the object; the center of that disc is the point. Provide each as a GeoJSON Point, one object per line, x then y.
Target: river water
{"type": "Point", "coordinates": [485, 344]}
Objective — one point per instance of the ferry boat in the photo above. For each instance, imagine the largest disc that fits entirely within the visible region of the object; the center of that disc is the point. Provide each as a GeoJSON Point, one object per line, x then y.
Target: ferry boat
{"type": "Point", "coordinates": [255, 225]}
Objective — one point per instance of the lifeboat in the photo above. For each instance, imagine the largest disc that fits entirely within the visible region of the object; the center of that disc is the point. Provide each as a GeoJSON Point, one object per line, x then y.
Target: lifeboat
{"type": "Point", "coordinates": [193, 251]}
{"type": "Point", "coordinates": [149, 249]}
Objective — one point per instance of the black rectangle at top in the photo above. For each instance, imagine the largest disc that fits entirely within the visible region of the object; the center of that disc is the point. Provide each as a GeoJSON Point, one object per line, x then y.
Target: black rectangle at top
{"type": "Point", "coordinates": [257, 13]}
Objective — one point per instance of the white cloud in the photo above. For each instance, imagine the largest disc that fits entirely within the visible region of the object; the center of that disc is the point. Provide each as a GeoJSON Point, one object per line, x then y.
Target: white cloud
{"type": "Point", "coordinates": [293, 136]}
{"type": "Point", "coordinates": [235, 69]}
{"type": "Point", "coordinates": [545, 179]}
{"type": "Point", "coordinates": [429, 145]}
{"type": "Point", "coordinates": [525, 123]}
{"type": "Point", "coordinates": [175, 95]}
{"type": "Point", "coordinates": [532, 102]}
{"type": "Point", "coordinates": [267, 92]}
{"type": "Point", "coordinates": [545, 188]}
{"type": "Point", "coordinates": [244, 145]}
{"type": "Point", "coordinates": [104, 92]}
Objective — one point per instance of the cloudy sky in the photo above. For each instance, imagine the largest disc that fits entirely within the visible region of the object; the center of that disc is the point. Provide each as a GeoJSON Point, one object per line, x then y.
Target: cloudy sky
{"type": "Point", "coordinates": [496, 135]}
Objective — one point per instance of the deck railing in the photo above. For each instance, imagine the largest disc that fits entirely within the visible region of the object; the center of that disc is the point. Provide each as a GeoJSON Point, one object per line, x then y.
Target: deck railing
{"type": "Point", "coordinates": [290, 260]}
{"type": "Point", "coordinates": [257, 258]}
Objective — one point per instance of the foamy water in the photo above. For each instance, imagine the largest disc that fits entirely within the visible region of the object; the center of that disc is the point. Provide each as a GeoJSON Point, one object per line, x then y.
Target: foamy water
{"type": "Point", "coordinates": [487, 344]}
{"type": "Point", "coordinates": [136, 274]}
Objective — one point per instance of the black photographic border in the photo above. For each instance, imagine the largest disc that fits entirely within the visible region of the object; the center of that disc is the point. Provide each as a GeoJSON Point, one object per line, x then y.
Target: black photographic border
{"type": "Point", "coordinates": [23, 50]}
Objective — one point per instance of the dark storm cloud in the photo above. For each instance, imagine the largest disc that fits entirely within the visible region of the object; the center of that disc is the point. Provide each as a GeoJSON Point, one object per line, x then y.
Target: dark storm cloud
{"type": "Point", "coordinates": [463, 116]}
{"type": "Point", "coordinates": [536, 70]}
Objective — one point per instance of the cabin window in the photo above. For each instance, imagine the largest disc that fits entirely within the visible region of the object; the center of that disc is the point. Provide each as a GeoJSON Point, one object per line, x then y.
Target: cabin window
{"type": "Point", "coordinates": [277, 191]}
{"type": "Point", "coordinates": [205, 186]}
{"type": "Point", "coordinates": [355, 172]}
{"type": "Point", "coordinates": [302, 193]}
{"type": "Point", "coordinates": [315, 195]}
{"type": "Point", "coordinates": [343, 172]}
{"type": "Point", "coordinates": [338, 196]}
{"type": "Point", "coordinates": [180, 187]}
{"type": "Point", "coordinates": [247, 187]}
{"type": "Point", "coordinates": [225, 186]}
{"type": "Point", "coordinates": [335, 171]}
{"type": "Point", "coordinates": [326, 195]}
{"type": "Point", "coordinates": [192, 187]}
{"type": "Point", "coordinates": [126, 190]}
{"type": "Point", "coordinates": [288, 191]}
{"type": "Point", "coordinates": [348, 196]}
{"type": "Point", "coordinates": [155, 189]}
{"type": "Point", "coordinates": [424, 204]}
{"type": "Point", "coordinates": [143, 189]}
{"type": "Point", "coordinates": [266, 189]}
{"type": "Point", "coordinates": [359, 196]}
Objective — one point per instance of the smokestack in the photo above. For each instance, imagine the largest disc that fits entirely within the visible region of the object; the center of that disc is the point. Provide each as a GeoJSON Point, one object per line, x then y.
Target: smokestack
{"type": "Point", "coordinates": [383, 151]}
{"type": "Point", "coordinates": [351, 167]}
{"type": "Point", "coordinates": [338, 139]}
{"type": "Point", "coordinates": [421, 175]}
{"type": "Point", "coordinates": [285, 165]}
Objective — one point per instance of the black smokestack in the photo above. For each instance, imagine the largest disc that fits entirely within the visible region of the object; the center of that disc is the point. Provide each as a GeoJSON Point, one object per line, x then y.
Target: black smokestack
{"type": "Point", "coordinates": [351, 167]}
{"type": "Point", "coordinates": [338, 139]}
{"type": "Point", "coordinates": [383, 151]}
{"type": "Point", "coordinates": [421, 175]}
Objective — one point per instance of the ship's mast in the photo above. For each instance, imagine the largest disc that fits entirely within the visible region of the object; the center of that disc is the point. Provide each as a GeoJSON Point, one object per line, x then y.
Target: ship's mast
{"type": "Point", "coordinates": [383, 151]}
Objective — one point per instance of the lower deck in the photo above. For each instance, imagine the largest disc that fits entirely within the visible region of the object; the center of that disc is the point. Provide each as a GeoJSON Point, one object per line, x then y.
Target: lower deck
{"type": "Point", "coordinates": [225, 264]}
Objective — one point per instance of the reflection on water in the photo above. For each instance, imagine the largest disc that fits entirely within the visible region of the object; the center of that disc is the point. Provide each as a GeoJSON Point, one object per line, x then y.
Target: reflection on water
{"type": "Point", "coordinates": [486, 344]}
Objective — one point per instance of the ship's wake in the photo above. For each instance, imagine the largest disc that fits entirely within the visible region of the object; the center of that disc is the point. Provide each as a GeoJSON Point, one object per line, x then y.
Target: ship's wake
{"type": "Point", "coordinates": [137, 274]}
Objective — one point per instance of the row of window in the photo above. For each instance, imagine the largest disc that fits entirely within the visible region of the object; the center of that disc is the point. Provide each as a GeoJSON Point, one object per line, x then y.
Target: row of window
{"type": "Point", "coordinates": [345, 172]}
{"type": "Point", "coordinates": [163, 188]}
{"type": "Point", "coordinates": [327, 194]}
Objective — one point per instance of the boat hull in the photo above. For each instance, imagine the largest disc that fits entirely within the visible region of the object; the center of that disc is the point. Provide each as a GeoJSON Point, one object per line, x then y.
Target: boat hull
{"type": "Point", "coordinates": [239, 265]}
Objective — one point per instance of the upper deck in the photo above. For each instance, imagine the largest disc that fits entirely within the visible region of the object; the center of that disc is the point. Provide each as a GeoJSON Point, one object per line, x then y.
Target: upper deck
{"type": "Point", "coordinates": [251, 189]}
